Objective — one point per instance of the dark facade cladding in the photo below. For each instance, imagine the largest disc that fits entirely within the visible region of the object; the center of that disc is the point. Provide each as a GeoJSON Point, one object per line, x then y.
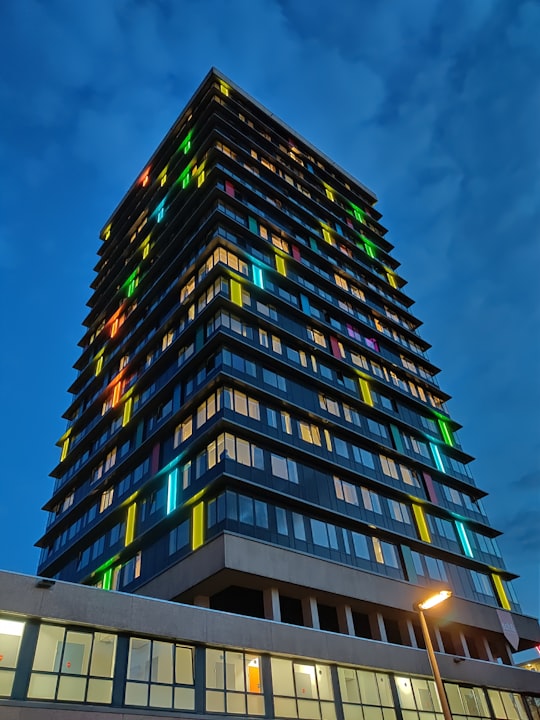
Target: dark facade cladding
{"type": "Point", "coordinates": [255, 425]}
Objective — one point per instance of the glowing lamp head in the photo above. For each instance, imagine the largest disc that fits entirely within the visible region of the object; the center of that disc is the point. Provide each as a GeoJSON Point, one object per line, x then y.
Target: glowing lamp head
{"type": "Point", "coordinates": [433, 600]}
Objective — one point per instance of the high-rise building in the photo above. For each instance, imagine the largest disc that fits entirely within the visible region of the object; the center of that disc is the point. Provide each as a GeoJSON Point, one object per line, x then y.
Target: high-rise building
{"type": "Point", "coordinates": [255, 426]}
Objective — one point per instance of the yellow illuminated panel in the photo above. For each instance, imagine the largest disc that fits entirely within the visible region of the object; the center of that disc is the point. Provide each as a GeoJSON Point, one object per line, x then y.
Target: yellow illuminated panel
{"type": "Point", "coordinates": [200, 179]}
{"type": "Point", "coordinates": [326, 235]}
{"type": "Point", "coordinates": [421, 523]}
{"type": "Point", "coordinates": [280, 265]}
{"type": "Point", "coordinates": [126, 417]}
{"type": "Point", "coordinates": [236, 292]}
{"type": "Point", "coordinates": [65, 448]}
{"type": "Point", "coordinates": [224, 89]}
{"type": "Point", "coordinates": [197, 526]}
{"type": "Point", "coordinates": [116, 394]}
{"type": "Point", "coordinates": [366, 392]}
{"type": "Point", "coordinates": [501, 592]}
{"type": "Point", "coordinates": [99, 365]}
{"type": "Point", "coordinates": [107, 233]}
{"type": "Point", "coordinates": [130, 523]}
{"type": "Point", "coordinates": [391, 280]}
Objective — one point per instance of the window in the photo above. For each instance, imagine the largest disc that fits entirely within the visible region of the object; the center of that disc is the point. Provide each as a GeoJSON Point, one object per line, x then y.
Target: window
{"type": "Point", "coordinates": [233, 683]}
{"type": "Point", "coordinates": [331, 406]}
{"type": "Point", "coordinates": [389, 467]}
{"type": "Point", "coordinates": [482, 583]}
{"type": "Point", "coordinates": [370, 500]}
{"type": "Point", "coordinates": [417, 696]}
{"type": "Point", "coordinates": [316, 337]}
{"type": "Point", "coordinates": [179, 537]}
{"type": "Point", "coordinates": [429, 567]}
{"type": "Point", "coordinates": [309, 433]}
{"type": "Point", "coordinates": [274, 380]}
{"type": "Point", "coordinates": [341, 447]}
{"type": "Point", "coordinates": [183, 431]}
{"type": "Point", "coordinates": [230, 447]}
{"type": "Point", "coordinates": [377, 429]}
{"type": "Point", "coordinates": [73, 666]}
{"type": "Point", "coordinates": [242, 404]}
{"type": "Point", "coordinates": [370, 689]}
{"type": "Point", "coordinates": [208, 408]}
{"type": "Point", "coordinates": [399, 512]}
{"type": "Point", "coordinates": [106, 499]}
{"type": "Point", "coordinates": [10, 642]}
{"type": "Point", "coordinates": [345, 491]}
{"type": "Point", "coordinates": [302, 690]}
{"type": "Point", "coordinates": [284, 468]}
{"type": "Point", "coordinates": [160, 674]}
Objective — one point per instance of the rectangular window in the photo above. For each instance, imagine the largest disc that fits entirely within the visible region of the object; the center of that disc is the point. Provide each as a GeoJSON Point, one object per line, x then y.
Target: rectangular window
{"type": "Point", "coordinates": [160, 674]}
{"type": "Point", "coordinates": [389, 467]}
{"type": "Point", "coordinates": [309, 433]}
{"type": "Point", "coordinates": [233, 683]}
{"type": "Point", "coordinates": [73, 666]}
{"type": "Point", "coordinates": [284, 468]}
{"type": "Point", "coordinates": [183, 431]}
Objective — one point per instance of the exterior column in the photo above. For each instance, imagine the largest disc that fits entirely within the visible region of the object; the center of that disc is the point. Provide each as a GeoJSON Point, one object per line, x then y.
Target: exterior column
{"type": "Point", "coordinates": [438, 639]}
{"type": "Point", "coordinates": [410, 633]}
{"type": "Point", "coordinates": [310, 612]}
{"type": "Point", "coordinates": [487, 649]}
{"type": "Point", "coordinates": [345, 620]}
{"type": "Point", "coordinates": [378, 626]}
{"type": "Point", "coordinates": [463, 641]}
{"type": "Point", "coordinates": [272, 609]}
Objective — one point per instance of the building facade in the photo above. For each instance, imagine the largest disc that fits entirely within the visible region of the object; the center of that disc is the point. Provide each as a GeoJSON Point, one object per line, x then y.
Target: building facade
{"type": "Point", "coordinates": [255, 426]}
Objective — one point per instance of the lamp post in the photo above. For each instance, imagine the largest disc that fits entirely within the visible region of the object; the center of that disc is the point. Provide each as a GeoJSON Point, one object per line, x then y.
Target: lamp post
{"type": "Point", "coordinates": [420, 607]}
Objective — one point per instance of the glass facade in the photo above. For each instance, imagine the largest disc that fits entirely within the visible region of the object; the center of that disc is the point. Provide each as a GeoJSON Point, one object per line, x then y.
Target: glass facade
{"type": "Point", "coordinates": [251, 365]}
{"type": "Point", "coordinates": [90, 666]}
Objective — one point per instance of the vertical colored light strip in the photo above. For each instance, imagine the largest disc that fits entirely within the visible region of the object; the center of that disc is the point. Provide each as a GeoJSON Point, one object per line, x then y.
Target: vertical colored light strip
{"type": "Point", "coordinates": [107, 579]}
{"type": "Point", "coordinates": [280, 265]}
{"type": "Point", "coordinates": [464, 539]}
{"type": "Point", "coordinates": [391, 279]}
{"type": "Point", "coordinates": [503, 598]}
{"type": "Point", "coordinates": [65, 448]}
{"type": "Point", "coordinates": [185, 145]}
{"type": "Point", "coordinates": [421, 523]}
{"type": "Point", "coordinates": [258, 277]}
{"type": "Point", "coordinates": [326, 235]}
{"type": "Point", "coordinates": [116, 394]}
{"type": "Point", "coordinates": [437, 457]}
{"type": "Point", "coordinates": [130, 523]}
{"type": "Point", "coordinates": [197, 526]}
{"type": "Point", "coordinates": [366, 391]}
{"type": "Point", "coordinates": [446, 432]}
{"type": "Point", "coordinates": [99, 365]}
{"type": "Point", "coordinates": [358, 213]}
{"type": "Point", "coordinates": [224, 89]}
{"type": "Point", "coordinates": [172, 486]}
{"type": "Point", "coordinates": [236, 292]}
{"type": "Point", "coordinates": [107, 233]}
{"type": "Point", "coordinates": [329, 192]}
{"type": "Point", "coordinates": [370, 250]}
{"type": "Point", "coordinates": [126, 416]}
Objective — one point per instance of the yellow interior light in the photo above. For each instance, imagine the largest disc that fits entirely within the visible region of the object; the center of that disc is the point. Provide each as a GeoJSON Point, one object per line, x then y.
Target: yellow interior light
{"type": "Point", "coordinates": [130, 523]}
{"type": "Point", "coordinates": [197, 526]}
{"type": "Point", "coordinates": [501, 592]}
{"type": "Point", "coordinates": [236, 292]}
{"type": "Point", "coordinates": [366, 392]}
{"type": "Point", "coordinates": [421, 523]}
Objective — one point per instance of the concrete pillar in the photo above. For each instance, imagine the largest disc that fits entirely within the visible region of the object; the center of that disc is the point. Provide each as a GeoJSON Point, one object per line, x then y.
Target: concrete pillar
{"type": "Point", "coordinates": [310, 612]}
{"type": "Point", "coordinates": [410, 633]}
{"type": "Point", "coordinates": [345, 619]}
{"type": "Point", "coordinates": [272, 610]}
{"type": "Point", "coordinates": [438, 644]}
{"type": "Point", "coordinates": [376, 621]}
{"type": "Point", "coordinates": [465, 648]}
{"type": "Point", "coordinates": [487, 649]}
{"type": "Point", "coordinates": [202, 601]}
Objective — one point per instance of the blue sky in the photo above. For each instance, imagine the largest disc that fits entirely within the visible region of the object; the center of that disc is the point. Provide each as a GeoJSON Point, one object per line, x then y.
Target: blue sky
{"type": "Point", "coordinates": [434, 105]}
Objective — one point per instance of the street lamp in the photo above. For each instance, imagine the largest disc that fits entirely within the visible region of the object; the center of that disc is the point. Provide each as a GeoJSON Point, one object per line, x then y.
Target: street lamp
{"type": "Point", "coordinates": [420, 607]}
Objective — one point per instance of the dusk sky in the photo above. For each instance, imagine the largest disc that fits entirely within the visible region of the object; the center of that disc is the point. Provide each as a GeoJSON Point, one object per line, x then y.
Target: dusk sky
{"type": "Point", "coordinates": [434, 105]}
